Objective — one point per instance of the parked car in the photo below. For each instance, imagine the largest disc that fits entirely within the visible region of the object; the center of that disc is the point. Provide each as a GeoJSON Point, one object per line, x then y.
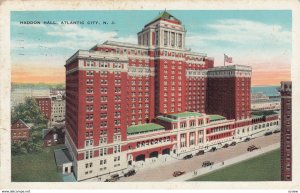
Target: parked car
{"type": "Point", "coordinates": [247, 139]}
{"type": "Point", "coordinates": [268, 133]}
{"type": "Point", "coordinates": [252, 148]}
{"type": "Point", "coordinates": [233, 143]}
{"type": "Point", "coordinates": [276, 131]}
{"type": "Point", "coordinates": [225, 146]}
{"type": "Point", "coordinates": [178, 173]}
{"type": "Point", "coordinates": [213, 149]}
{"type": "Point", "coordinates": [188, 156]}
{"type": "Point", "coordinates": [201, 152]}
{"type": "Point", "coordinates": [207, 163]}
{"type": "Point", "coordinates": [114, 178]}
{"type": "Point", "coordinates": [130, 173]}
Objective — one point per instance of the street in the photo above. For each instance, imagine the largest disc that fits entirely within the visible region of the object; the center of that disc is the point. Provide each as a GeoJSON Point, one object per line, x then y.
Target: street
{"type": "Point", "coordinates": [164, 172]}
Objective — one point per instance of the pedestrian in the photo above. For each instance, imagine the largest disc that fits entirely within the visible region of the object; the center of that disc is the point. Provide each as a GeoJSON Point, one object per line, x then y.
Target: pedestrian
{"type": "Point", "coordinates": [223, 163]}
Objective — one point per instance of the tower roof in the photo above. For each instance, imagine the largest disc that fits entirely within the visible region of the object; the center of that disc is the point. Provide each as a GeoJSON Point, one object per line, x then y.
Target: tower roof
{"type": "Point", "coordinates": [165, 16]}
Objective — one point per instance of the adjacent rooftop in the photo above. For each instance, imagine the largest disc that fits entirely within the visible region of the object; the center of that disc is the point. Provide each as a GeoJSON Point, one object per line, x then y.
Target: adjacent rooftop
{"type": "Point", "coordinates": [62, 156]}
{"type": "Point", "coordinates": [176, 116]}
{"type": "Point", "coordinates": [262, 114]}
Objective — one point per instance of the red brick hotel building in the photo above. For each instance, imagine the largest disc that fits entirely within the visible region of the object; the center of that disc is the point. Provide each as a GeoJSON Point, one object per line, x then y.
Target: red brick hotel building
{"type": "Point", "coordinates": [127, 104]}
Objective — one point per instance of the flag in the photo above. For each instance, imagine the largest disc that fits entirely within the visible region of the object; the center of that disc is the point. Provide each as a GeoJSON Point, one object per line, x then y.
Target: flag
{"type": "Point", "coordinates": [227, 59]}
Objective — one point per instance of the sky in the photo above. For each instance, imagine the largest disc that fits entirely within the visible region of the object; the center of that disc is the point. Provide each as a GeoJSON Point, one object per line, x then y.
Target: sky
{"type": "Point", "coordinates": [261, 39]}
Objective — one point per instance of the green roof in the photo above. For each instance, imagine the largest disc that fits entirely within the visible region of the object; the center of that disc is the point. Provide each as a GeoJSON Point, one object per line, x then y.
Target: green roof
{"type": "Point", "coordinates": [185, 114]}
{"type": "Point", "coordinates": [257, 116]}
{"type": "Point", "coordinates": [144, 128]}
{"type": "Point", "coordinates": [213, 118]}
{"type": "Point", "coordinates": [164, 15]}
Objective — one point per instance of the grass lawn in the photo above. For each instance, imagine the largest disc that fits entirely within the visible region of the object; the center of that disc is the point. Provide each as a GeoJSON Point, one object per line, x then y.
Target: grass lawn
{"type": "Point", "coordinates": [265, 167]}
{"type": "Point", "coordinates": [38, 167]}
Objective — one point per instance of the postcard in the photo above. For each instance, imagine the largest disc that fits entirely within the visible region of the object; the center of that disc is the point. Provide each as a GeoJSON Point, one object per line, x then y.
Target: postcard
{"type": "Point", "coordinates": [193, 94]}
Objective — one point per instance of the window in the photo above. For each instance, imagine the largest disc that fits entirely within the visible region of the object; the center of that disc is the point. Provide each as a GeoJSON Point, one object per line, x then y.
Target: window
{"type": "Point", "coordinates": [173, 39]}
{"type": "Point", "coordinates": [180, 40]}
{"type": "Point", "coordinates": [117, 148]}
{"type": "Point", "coordinates": [165, 38]}
{"type": "Point", "coordinates": [88, 143]}
{"type": "Point", "coordinates": [117, 138]}
{"type": "Point", "coordinates": [103, 140]}
{"type": "Point", "coordinates": [88, 154]}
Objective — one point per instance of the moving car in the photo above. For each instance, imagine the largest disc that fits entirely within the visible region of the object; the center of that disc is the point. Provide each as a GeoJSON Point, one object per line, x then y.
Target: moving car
{"type": "Point", "coordinates": [252, 148]}
{"type": "Point", "coordinates": [247, 139]}
{"type": "Point", "coordinates": [188, 156]}
{"type": "Point", "coordinates": [201, 152]}
{"type": "Point", "coordinates": [233, 143]}
{"type": "Point", "coordinates": [207, 163]}
{"type": "Point", "coordinates": [276, 131]}
{"type": "Point", "coordinates": [213, 149]}
{"type": "Point", "coordinates": [178, 173]}
{"type": "Point", "coordinates": [130, 173]}
{"type": "Point", "coordinates": [268, 133]}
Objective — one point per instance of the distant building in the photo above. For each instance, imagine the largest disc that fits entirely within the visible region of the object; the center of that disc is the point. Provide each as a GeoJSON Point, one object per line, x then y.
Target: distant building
{"type": "Point", "coordinates": [286, 131]}
{"type": "Point", "coordinates": [53, 137]}
{"type": "Point", "coordinates": [44, 103]}
{"type": "Point", "coordinates": [58, 108]}
{"type": "Point", "coordinates": [20, 131]}
{"type": "Point", "coordinates": [18, 95]}
{"type": "Point", "coordinates": [261, 102]}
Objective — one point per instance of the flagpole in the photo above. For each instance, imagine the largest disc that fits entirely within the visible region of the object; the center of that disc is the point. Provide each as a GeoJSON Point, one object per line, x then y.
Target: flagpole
{"type": "Point", "coordinates": [224, 59]}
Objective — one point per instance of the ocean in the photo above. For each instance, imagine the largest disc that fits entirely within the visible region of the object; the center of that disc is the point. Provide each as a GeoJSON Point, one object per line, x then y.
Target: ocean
{"type": "Point", "coordinates": [267, 90]}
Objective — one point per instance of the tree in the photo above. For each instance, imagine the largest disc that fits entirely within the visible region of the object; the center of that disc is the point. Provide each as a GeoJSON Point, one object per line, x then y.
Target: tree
{"type": "Point", "coordinates": [29, 112]}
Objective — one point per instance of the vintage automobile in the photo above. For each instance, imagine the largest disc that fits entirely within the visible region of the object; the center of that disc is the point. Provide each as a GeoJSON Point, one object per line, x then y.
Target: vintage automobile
{"type": "Point", "coordinates": [225, 145]}
{"type": "Point", "coordinates": [233, 143]}
{"type": "Point", "coordinates": [130, 173]}
{"type": "Point", "coordinates": [201, 152]}
{"type": "Point", "coordinates": [188, 156]}
{"type": "Point", "coordinates": [178, 173]}
{"type": "Point", "coordinates": [276, 131]}
{"type": "Point", "coordinates": [252, 148]}
{"type": "Point", "coordinates": [113, 178]}
{"type": "Point", "coordinates": [213, 149]}
{"type": "Point", "coordinates": [247, 139]}
{"type": "Point", "coordinates": [268, 133]}
{"type": "Point", "coordinates": [207, 163]}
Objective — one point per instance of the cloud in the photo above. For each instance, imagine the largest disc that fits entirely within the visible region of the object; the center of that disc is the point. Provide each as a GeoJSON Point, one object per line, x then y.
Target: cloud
{"type": "Point", "coordinates": [242, 32]}
{"type": "Point", "coordinates": [61, 41]}
{"type": "Point", "coordinates": [245, 40]}
{"type": "Point", "coordinates": [73, 37]}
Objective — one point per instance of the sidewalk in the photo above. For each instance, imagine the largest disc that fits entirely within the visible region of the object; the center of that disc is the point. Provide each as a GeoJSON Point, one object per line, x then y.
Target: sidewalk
{"type": "Point", "coordinates": [228, 162]}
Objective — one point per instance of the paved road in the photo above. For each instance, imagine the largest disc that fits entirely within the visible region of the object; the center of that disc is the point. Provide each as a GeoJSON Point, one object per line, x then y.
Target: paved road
{"type": "Point", "coordinates": [163, 173]}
